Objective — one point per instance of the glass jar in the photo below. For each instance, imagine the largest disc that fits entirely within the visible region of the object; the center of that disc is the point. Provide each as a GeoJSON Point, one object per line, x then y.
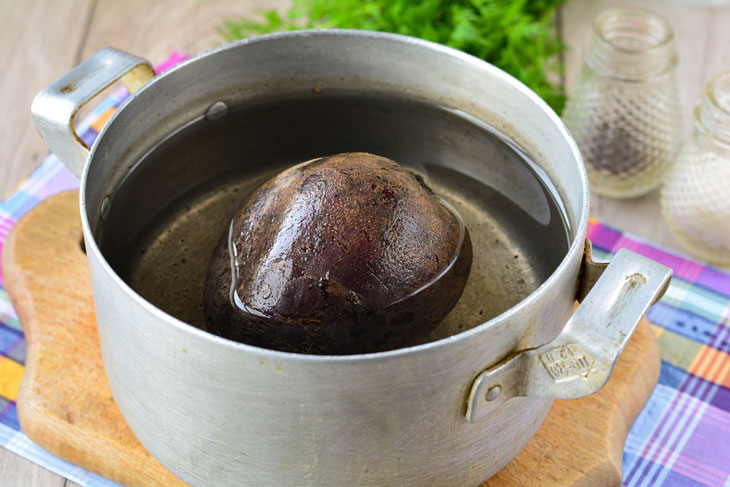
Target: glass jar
{"type": "Point", "coordinates": [624, 110]}
{"type": "Point", "coordinates": [695, 198]}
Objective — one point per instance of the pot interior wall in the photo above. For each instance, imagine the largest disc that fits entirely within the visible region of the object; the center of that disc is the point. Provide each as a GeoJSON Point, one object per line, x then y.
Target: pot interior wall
{"type": "Point", "coordinates": [168, 178]}
{"type": "Point", "coordinates": [171, 209]}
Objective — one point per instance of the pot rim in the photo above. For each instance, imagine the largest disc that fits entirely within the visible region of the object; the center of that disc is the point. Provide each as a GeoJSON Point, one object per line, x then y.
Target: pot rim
{"type": "Point", "coordinates": [576, 246]}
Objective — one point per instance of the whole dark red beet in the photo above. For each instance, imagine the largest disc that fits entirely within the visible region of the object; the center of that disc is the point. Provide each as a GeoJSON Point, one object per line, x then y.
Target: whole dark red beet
{"type": "Point", "coordinates": [344, 254]}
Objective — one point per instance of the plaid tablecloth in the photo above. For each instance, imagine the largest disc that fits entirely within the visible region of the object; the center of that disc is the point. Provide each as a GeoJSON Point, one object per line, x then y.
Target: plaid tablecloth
{"type": "Point", "coordinates": [681, 438]}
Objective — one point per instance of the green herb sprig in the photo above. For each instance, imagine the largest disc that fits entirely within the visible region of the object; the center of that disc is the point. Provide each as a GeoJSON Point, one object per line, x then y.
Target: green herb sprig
{"type": "Point", "coordinates": [516, 35]}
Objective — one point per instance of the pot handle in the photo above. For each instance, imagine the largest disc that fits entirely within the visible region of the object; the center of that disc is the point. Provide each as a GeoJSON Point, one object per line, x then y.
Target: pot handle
{"type": "Point", "coordinates": [54, 108]}
{"type": "Point", "coordinates": [579, 361]}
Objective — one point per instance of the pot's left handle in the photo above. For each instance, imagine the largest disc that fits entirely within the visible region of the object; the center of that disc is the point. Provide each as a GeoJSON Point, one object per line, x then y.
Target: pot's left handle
{"type": "Point", "coordinates": [54, 108]}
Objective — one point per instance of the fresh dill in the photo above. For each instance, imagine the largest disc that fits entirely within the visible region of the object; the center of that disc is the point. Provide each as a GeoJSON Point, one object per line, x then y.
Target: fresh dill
{"type": "Point", "coordinates": [519, 36]}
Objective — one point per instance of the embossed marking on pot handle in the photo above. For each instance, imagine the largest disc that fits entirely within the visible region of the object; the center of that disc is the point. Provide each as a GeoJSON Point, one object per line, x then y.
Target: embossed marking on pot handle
{"type": "Point", "coordinates": [54, 108]}
{"type": "Point", "coordinates": [579, 361]}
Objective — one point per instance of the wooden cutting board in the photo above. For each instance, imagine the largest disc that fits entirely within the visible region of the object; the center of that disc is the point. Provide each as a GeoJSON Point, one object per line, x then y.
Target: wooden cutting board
{"type": "Point", "coordinates": [66, 407]}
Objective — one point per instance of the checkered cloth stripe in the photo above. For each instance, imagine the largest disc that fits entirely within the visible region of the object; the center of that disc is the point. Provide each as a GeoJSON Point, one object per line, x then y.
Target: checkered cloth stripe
{"type": "Point", "coordinates": [682, 436]}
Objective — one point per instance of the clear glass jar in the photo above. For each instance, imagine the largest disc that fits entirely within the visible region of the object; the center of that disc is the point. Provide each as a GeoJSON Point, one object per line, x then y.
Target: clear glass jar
{"type": "Point", "coordinates": [624, 110]}
{"type": "Point", "coordinates": [696, 194]}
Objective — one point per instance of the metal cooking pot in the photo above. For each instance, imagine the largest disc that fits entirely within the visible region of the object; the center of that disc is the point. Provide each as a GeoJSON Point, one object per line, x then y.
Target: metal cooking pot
{"type": "Point", "coordinates": [449, 412]}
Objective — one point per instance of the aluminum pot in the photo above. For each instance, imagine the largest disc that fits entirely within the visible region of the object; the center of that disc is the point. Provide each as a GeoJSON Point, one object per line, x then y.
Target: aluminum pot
{"type": "Point", "coordinates": [451, 412]}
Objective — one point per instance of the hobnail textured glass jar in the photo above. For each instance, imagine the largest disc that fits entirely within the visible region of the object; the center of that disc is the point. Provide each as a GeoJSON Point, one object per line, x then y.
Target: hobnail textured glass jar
{"type": "Point", "coordinates": [696, 195]}
{"type": "Point", "coordinates": [624, 110]}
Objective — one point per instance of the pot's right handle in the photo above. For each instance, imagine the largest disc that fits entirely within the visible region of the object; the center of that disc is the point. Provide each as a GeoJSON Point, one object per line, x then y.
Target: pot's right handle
{"type": "Point", "coordinates": [579, 361]}
{"type": "Point", "coordinates": [54, 108]}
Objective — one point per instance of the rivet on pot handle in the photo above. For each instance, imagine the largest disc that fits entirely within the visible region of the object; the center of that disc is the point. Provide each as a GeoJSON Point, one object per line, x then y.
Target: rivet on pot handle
{"type": "Point", "coordinates": [54, 108]}
{"type": "Point", "coordinates": [579, 361]}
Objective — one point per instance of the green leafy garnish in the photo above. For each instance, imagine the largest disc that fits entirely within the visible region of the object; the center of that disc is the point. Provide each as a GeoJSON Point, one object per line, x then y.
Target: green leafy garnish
{"type": "Point", "coordinates": [515, 35]}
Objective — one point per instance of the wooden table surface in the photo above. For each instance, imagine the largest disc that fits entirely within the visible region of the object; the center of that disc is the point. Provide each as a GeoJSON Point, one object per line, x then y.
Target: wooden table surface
{"type": "Point", "coordinates": [40, 40]}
